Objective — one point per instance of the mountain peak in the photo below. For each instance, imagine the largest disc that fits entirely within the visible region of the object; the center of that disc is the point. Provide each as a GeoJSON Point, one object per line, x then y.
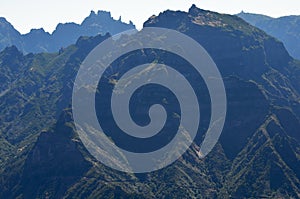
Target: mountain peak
{"type": "Point", "coordinates": [37, 31]}
{"type": "Point", "coordinates": [222, 29]}
{"type": "Point", "coordinates": [103, 13]}
{"type": "Point", "coordinates": [3, 20]}
{"type": "Point", "coordinates": [99, 15]}
{"type": "Point", "coordinates": [202, 17]}
{"type": "Point", "coordinates": [195, 9]}
{"type": "Point", "coordinates": [4, 24]}
{"type": "Point", "coordinates": [11, 50]}
{"type": "Point", "coordinates": [92, 13]}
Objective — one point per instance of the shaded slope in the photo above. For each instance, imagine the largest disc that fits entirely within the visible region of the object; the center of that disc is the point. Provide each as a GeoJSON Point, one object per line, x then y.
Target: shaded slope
{"type": "Point", "coordinates": [35, 89]}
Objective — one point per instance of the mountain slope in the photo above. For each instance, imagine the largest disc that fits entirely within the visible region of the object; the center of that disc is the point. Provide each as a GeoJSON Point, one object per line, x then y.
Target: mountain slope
{"type": "Point", "coordinates": [286, 29]}
{"type": "Point", "coordinates": [34, 91]}
{"type": "Point", "coordinates": [256, 156]}
{"type": "Point", "coordinates": [239, 49]}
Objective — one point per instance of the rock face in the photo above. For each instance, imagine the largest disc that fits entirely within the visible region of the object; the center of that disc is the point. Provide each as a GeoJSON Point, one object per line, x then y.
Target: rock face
{"type": "Point", "coordinates": [286, 29]}
{"type": "Point", "coordinates": [256, 156]}
{"type": "Point", "coordinates": [37, 40]}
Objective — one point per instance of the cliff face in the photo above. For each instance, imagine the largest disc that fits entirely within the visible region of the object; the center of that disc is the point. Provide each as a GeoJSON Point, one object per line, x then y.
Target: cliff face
{"type": "Point", "coordinates": [256, 156]}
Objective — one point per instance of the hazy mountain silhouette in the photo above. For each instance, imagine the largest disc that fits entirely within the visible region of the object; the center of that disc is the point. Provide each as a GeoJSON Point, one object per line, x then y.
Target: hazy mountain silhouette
{"type": "Point", "coordinates": [286, 29]}
{"type": "Point", "coordinates": [37, 40]}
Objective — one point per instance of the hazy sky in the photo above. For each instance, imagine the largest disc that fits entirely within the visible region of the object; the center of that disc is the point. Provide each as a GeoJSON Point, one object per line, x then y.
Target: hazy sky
{"type": "Point", "coordinates": [28, 14]}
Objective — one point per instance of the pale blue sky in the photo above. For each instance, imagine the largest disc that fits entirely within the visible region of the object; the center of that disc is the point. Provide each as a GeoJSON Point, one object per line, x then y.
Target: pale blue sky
{"type": "Point", "coordinates": [28, 14]}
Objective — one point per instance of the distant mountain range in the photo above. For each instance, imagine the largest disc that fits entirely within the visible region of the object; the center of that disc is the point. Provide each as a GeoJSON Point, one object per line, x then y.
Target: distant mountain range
{"type": "Point", "coordinates": [286, 29]}
{"type": "Point", "coordinates": [257, 156]}
{"type": "Point", "coordinates": [37, 40]}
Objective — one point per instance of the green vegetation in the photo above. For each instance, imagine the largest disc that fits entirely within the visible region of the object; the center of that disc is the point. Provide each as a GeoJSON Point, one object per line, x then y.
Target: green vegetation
{"type": "Point", "coordinates": [257, 156]}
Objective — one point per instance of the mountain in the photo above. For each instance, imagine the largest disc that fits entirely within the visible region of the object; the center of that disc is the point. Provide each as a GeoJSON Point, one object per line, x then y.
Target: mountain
{"type": "Point", "coordinates": [8, 34]}
{"type": "Point", "coordinates": [286, 29]}
{"type": "Point", "coordinates": [37, 40]}
{"type": "Point", "coordinates": [257, 155]}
